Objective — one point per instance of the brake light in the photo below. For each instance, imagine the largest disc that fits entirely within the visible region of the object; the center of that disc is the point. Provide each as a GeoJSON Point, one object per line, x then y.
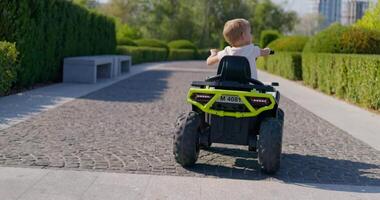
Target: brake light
{"type": "Point", "coordinates": [258, 102]}
{"type": "Point", "coordinates": [202, 98]}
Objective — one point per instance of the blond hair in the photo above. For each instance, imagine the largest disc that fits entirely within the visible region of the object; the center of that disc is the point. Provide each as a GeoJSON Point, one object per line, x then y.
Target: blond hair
{"type": "Point", "coordinates": [234, 29]}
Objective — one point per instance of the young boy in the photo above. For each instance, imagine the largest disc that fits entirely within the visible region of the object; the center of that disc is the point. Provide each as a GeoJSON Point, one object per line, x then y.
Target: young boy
{"type": "Point", "coordinates": [237, 33]}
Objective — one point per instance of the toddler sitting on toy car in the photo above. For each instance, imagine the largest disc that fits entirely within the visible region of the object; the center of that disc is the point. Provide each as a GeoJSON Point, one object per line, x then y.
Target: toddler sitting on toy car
{"type": "Point", "coordinates": [237, 33]}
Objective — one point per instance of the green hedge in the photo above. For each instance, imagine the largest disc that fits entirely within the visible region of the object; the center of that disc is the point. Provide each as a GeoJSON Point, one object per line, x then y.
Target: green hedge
{"type": "Point", "coordinates": [8, 66]}
{"type": "Point", "coordinates": [267, 36]}
{"type": "Point", "coordinates": [285, 64]}
{"type": "Point", "coordinates": [342, 39]}
{"type": "Point", "coordinates": [46, 31]}
{"type": "Point", "coordinates": [125, 42]}
{"type": "Point", "coordinates": [355, 78]}
{"type": "Point", "coordinates": [151, 43]}
{"type": "Point", "coordinates": [181, 54]}
{"type": "Point", "coordinates": [203, 54]}
{"type": "Point", "coordinates": [182, 44]}
{"type": "Point", "coordinates": [289, 43]}
{"type": "Point", "coordinates": [143, 54]}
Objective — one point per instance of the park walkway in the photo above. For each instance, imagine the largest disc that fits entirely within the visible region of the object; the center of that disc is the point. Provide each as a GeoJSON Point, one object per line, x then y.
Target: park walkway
{"type": "Point", "coordinates": [126, 127]}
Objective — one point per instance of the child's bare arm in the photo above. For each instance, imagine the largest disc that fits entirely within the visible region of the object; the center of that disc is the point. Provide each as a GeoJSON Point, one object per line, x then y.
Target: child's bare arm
{"type": "Point", "coordinates": [213, 58]}
{"type": "Point", "coordinates": [265, 52]}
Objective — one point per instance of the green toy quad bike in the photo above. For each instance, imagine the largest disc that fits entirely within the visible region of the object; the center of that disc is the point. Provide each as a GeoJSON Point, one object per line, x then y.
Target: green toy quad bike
{"type": "Point", "coordinates": [231, 108]}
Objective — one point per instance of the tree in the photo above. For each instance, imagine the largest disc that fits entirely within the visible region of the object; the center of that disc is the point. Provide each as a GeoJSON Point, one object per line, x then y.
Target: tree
{"type": "Point", "coordinates": [309, 24]}
{"type": "Point", "coordinates": [86, 3]}
{"type": "Point", "coordinates": [371, 19]}
{"type": "Point", "coordinates": [128, 11]}
{"type": "Point", "coordinates": [267, 15]}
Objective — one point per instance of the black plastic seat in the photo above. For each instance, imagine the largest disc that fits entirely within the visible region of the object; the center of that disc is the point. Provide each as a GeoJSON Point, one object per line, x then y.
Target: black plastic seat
{"type": "Point", "coordinates": [234, 68]}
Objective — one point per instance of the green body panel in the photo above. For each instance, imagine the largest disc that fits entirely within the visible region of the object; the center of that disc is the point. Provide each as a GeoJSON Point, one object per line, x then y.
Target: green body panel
{"type": "Point", "coordinates": [242, 94]}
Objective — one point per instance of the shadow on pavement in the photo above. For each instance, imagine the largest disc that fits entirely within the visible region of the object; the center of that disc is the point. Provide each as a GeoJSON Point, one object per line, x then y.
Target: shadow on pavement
{"type": "Point", "coordinates": [145, 87]}
{"type": "Point", "coordinates": [306, 170]}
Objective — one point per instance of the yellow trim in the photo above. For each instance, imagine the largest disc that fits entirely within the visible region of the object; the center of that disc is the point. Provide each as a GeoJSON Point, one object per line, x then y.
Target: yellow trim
{"type": "Point", "coordinates": [242, 94]}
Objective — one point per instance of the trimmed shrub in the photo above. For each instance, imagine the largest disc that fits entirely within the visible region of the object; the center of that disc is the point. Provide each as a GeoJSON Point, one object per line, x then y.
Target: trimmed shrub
{"type": "Point", "coordinates": [125, 42]}
{"type": "Point", "coordinates": [267, 36]}
{"type": "Point", "coordinates": [351, 77]}
{"type": "Point", "coordinates": [285, 64]}
{"type": "Point", "coordinates": [181, 54]}
{"type": "Point", "coordinates": [8, 66]}
{"type": "Point", "coordinates": [151, 43]}
{"type": "Point", "coordinates": [143, 54]}
{"type": "Point", "coordinates": [289, 43]}
{"type": "Point", "coordinates": [181, 44]}
{"type": "Point", "coordinates": [341, 39]}
{"type": "Point", "coordinates": [203, 54]}
{"type": "Point", "coordinates": [326, 41]}
{"type": "Point", "coordinates": [360, 41]}
{"type": "Point", "coordinates": [46, 31]}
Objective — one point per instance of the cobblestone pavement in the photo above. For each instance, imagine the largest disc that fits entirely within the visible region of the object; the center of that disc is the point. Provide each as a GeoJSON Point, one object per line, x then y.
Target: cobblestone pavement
{"type": "Point", "coordinates": [127, 128]}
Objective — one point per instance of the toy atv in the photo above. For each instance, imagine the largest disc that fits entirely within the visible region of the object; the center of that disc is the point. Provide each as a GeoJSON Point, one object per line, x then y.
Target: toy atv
{"type": "Point", "coordinates": [231, 108]}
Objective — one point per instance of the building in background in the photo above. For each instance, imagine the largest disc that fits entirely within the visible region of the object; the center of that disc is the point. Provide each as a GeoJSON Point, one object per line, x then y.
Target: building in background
{"type": "Point", "coordinates": [330, 10]}
{"type": "Point", "coordinates": [353, 10]}
{"type": "Point", "coordinates": [342, 11]}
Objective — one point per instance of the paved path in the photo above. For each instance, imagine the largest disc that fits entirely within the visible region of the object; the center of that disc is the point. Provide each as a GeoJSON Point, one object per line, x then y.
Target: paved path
{"type": "Point", "coordinates": [359, 123]}
{"type": "Point", "coordinates": [22, 106]}
{"type": "Point", "coordinates": [33, 184]}
{"type": "Point", "coordinates": [127, 127]}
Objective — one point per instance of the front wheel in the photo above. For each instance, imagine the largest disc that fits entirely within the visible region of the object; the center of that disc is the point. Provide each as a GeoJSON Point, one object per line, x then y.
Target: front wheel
{"type": "Point", "coordinates": [186, 138]}
{"type": "Point", "coordinates": [270, 144]}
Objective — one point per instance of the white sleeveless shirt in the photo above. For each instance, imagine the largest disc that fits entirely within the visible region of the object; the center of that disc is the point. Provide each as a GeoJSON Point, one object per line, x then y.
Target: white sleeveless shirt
{"type": "Point", "coordinates": [251, 52]}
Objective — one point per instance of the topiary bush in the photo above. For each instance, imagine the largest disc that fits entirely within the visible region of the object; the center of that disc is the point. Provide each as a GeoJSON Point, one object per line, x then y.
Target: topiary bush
{"type": "Point", "coordinates": [267, 36]}
{"type": "Point", "coordinates": [47, 31]}
{"type": "Point", "coordinates": [360, 41]}
{"type": "Point", "coordinates": [285, 64]}
{"type": "Point", "coordinates": [151, 43]}
{"type": "Point", "coordinates": [348, 76]}
{"type": "Point", "coordinates": [126, 42]}
{"type": "Point", "coordinates": [289, 43]}
{"type": "Point", "coordinates": [8, 66]}
{"type": "Point", "coordinates": [143, 54]}
{"type": "Point", "coordinates": [327, 41]}
{"type": "Point", "coordinates": [342, 39]}
{"type": "Point", "coordinates": [182, 44]}
{"type": "Point", "coordinates": [203, 54]}
{"type": "Point", "coordinates": [181, 54]}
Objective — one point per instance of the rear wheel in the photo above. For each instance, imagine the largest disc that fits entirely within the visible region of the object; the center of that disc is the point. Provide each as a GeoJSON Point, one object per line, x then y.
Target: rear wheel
{"type": "Point", "coordinates": [186, 138]}
{"type": "Point", "coordinates": [270, 144]}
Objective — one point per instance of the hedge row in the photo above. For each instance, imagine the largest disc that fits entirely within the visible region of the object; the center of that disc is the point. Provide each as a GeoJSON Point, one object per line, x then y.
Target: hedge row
{"type": "Point", "coordinates": [46, 31]}
{"type": "Point", "coordinates": [346, 40]}
{"type": "Point", "coordinates": [152, 54]}
{"type": "Point", "coordinates": [8, 66]}
{"type": "Point", "coordinates": [355, 78]}
{"type": "Point", "coordinates": [289, 43]}
{"type": "Point", "coordinates": [143, 54]}
{"type": "Point", "coordinates": [286, 64]}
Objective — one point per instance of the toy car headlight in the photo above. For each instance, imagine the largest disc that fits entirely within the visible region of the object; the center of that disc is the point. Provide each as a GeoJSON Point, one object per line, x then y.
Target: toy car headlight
{"type": "Point", "coordinates": [201, 97]}
{"type": "Point", "coordinates": [258, 102]}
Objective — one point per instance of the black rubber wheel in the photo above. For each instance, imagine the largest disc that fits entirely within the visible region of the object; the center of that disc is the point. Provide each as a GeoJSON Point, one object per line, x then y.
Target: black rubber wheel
{"type": "Point", "coordinates": [270, 144]}
{"type": "Point", "coordinates": [280, 115]}
{"type": "Point", "coordinates": [186, 139]}
{"type": "Point", "coordinates": [207, 136]}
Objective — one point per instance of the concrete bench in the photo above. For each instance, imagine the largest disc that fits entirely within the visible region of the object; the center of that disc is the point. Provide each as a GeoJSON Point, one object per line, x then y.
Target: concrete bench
{"type": "Point", "coordinates": [88, 69]}
{"type": "Point", "coordinates": [121, 64]}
